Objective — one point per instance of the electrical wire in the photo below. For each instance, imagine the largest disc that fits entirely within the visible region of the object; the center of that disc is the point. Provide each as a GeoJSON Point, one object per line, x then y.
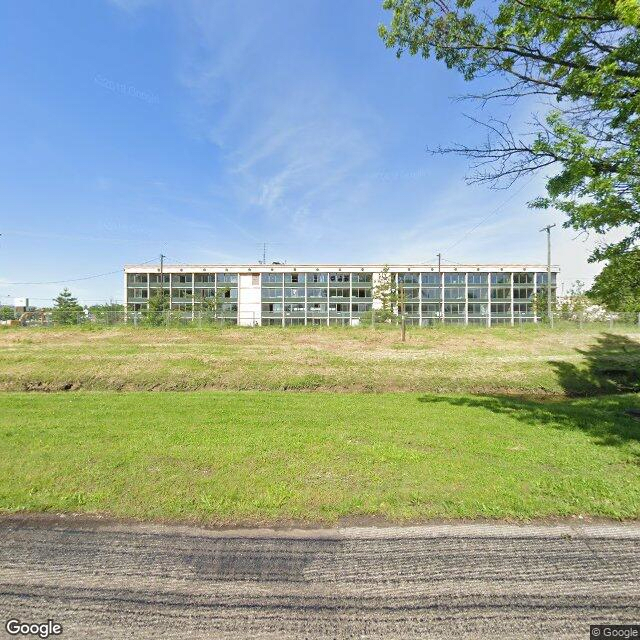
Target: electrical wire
{"type": "Point", "coordinates": [96, 275]}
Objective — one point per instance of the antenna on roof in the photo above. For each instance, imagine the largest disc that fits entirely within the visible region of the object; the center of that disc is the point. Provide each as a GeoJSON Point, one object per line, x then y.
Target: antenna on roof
{"type": "Point", "coordinates": [264, 246]}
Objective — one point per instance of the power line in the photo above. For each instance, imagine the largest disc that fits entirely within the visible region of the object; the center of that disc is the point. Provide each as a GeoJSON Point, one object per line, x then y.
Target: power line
{"type": "Point", "coordinates": [96, 275]}
{"type": "Point", "coordinates": [491, 214]}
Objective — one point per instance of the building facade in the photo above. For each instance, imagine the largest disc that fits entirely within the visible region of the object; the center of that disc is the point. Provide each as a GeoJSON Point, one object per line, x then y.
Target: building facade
{"type": "Point", "coordinates": [288, 294]}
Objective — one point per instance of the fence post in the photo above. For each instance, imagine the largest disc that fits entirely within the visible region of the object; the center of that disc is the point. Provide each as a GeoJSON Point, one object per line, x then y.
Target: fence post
{"type": "Point", "coordinates": [639, 319]}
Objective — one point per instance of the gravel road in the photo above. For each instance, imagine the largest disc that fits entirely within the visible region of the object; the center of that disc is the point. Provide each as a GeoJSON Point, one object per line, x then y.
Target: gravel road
{"type": "Point", "coordinates": [108, 580]}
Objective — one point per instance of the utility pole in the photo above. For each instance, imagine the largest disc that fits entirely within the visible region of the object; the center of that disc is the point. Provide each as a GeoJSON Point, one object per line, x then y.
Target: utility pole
{"type": "Point", "coordinates": [549, 304]}
{"type": "Point", "coordinates": [441, 286]}
{"type": "Point", "coordinates": [162, 257]}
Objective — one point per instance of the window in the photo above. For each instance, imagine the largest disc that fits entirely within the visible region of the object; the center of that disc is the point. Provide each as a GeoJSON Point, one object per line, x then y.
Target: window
{"type": "Point", "coordinates": [408, 278]}
{"type": "Point", "coordinates": [454, 309]}
{"type": "Point", "coordinates": [411, 309]}
{"type": "Point", "coordinates": [255, 279]}
{"type": "Point", "coordinates": [298, 308]}
{"type": "Point", "coordinates": [339, 293]}
{"type": "Point", "coordinates": [454, 294]}
{"type": "Point", "coordinates": [541, 278]}
{"type": "Point", "coordinates": [181, 278]}
{"type": "Point", "coordinates": [478, 309]}
{"type": "Point", "coordinates": [294, 277]}
{"type": "Point", "coordinates": [154, 278]}
{"type": "Point", "coordinates": [272, 293]}
{"type": "Point", "coordinates": [477, 278]}
{"type": "Point", "coordinates": [181, 293]}
{"type": "Point", "coordinates": [317, 308]}
{"type": "Point", "coordinates": [500, 278]}
{"type": "Point", "coordinates": [477, 293]}
{"type": "Point", "coordinates": [205, 293]}
{"type": "Point", "coordinates": [229, 293]}
{"type": "Point", "coordinates": [410, 293]}
{"type": "Point", "coordinates": [316, 292]}
{"type": "Point", "coordinates": [291, 292]}
{"type": "Point", "coordinates": [360, 307]}
{"type": "Point", "coordinates": [431, 294]}
{"type": "Point", "coordinates": [339, 277]}
{"type": "Point", "coordinates": [272, 307]}
{"type": "Point", "coordinates": [205, 278]}
{"type": "Point", "coordinates": [227, 278]}
{"type": "Point", "coordinates": [317, 277]}
{"type": "Point", "coordinates": [501, 293]}
{"type": "Point", "coordinates": [339, 308]}
{"type": "Point", "coordinates": [271, 278]}
{"type": "Point", "coordinates": [431, 310]}
{"type": "Point", "coordinates": [430, 279]}
{"type": "Point", "coordinates": [136, 293]}
{"type": "Point", "coordinates": [523, 308]}
{"type": "Point", "coordinates": [523, 278]}
{"type": "Point", "coordinates": [523, 293]}
{"type": "Point", "coordinates": [500, 309]}
{"type": "Point", "coordinates": [453, 278]}
{"type": "Point", "coordinates": [361, 293]}
{"type": "Point", "coordinates": [137, 278]}
{"type": "Point", "coordinates": [361, 277]}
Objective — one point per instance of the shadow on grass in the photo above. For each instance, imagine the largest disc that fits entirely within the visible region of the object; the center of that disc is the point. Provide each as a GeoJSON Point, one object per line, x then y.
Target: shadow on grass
{"type": "Point", "coordinates": [611, 367]}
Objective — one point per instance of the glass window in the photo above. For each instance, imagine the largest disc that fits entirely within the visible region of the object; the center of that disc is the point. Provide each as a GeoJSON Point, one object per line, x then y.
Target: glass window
{"type": "Point", "coordinates": [272, 307]}
{"type": "Point", "coordinates": [408, 278]}
{"type": "Point", "coordinates": [454, 294]}
{"type": "Point", "coordinates": [477, 278]}
{"type": "Point", "coordinates": [431, 310]}
{"type": "Point", "coordinates": [339, 277]}
{"type": "Point", "coordinates": [205, 278]}
{"type": "Point", "coordinates": [500, 309]}
{"type": "Point", "coordinates": [339, 293]}
{"type": "Point", "coordinates": [272, 293]}
{"type": "Point", "coordinates": [227, 278]}
{"type": "Point", "coordinates": [501, 293]}
{"type": "Point", "coordinates": [410, 293]}
{"type": "Point", "coordinates": [317, 277]}
{"type": "Point", "coordinates": [478, 309]}
{"type": "Point", "coordinates": [294, 292]}
{"type": "Point", "coordinates": [500, 278]}
{"type": "Point", "coordinates": [360, 293]}
{"type": "Point", "coordinates": [541, 278]}
{"type": "Point", "coordinates": [523, 293]}
{"type": "Point", "coordinates": [271, 278]}
{"type": "Point", "coordinates": [205, 293]}
{"type": "Point", "coordinates": [454, 309]}
{"type": "Point", "coordinates": [430, 279]}
{"type": "Point", "coordinates": [361, 277]}
{"type": "Point", "coordinates": [137, 278]}
{"type": "Point", "coordinates": [478, 293]}
{"type": "Point", "coordinates": [431, 294]}
{"type": "Point", "coordinates": [181, 278]}
{"type": "Point", "coordinates": [316, 292]}
{"type": "Point", "coordinates": [523, 278]}
{"type": "Point", "coordinates": [294, 277]}
{"type": "Point", "coordinates": [453, 278]}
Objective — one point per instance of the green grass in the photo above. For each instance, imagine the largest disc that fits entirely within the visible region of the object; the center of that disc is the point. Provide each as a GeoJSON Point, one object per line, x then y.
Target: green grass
{"type": "Point", "coordinates": [445, 359]}
{"type": "Point", "coordinates": [256, 457]}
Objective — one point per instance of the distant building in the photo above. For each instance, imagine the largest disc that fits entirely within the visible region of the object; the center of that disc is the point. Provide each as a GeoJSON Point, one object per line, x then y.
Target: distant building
{"type": "Point", "coordinates": [287, 294]}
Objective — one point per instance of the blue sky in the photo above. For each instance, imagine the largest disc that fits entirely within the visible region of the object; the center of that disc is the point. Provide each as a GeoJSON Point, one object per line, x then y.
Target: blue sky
{"type": "Point", "coordinates": [202, 128]}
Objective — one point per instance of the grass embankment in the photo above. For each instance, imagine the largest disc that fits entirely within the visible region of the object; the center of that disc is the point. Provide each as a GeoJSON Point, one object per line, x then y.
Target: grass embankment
{"type": "Point", "coordinates": [445, 359]}
{"type": "Point", "coordinates": [265, 457]}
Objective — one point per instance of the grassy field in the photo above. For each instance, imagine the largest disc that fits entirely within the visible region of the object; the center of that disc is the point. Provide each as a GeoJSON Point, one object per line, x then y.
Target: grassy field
{"type": "Point", "coordinates": [527, 360]}
{"type": "Point", "coordinates": [255, 457]}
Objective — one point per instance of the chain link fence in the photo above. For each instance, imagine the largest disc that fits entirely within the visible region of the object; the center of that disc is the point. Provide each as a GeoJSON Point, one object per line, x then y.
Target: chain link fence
{"type": "Point", "coordinates": [178, 318]}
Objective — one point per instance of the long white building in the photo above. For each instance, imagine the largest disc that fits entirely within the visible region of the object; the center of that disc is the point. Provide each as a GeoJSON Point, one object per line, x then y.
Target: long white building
{"type": "Point", "coordinates": [286, 294]}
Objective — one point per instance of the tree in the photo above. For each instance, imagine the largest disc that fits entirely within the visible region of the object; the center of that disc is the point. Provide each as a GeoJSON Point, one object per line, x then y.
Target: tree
{"type": "Point", "coordinates": [108, 313]}
{"type": "Point", "coordinates": [581, 59]}
{"type": "Point", "coordinates": [66, 309]}
{"type": "Point", "coordinates": [211, 306]}
{"type": "Point", "coordinates": [573, 305]}
{"type": "Point", "coordinates": [7, 313]}
{"type": "Point", "coordinates": [617, 287]}
{"type": "Point", "coordinates": [158, 309]}
{"type": "Point", "coordinates": [386, 292]}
